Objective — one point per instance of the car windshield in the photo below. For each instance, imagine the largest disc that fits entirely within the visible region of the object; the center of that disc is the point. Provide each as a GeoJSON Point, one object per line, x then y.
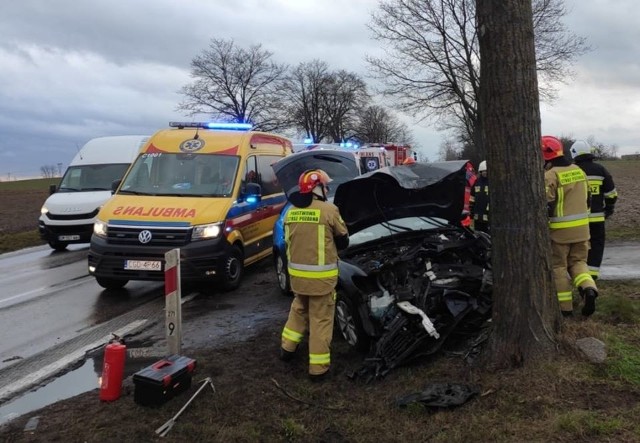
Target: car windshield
{"type": "Point", "coordinates": [92, 177]}
{"type": "Point", "coordinates": [392, 227]}
{"type": "Point", "coordinates": [206, 175]}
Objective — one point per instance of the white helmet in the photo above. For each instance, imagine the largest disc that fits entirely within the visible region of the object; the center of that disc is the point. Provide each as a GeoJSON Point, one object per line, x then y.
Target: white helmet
{"type": "Point", "coordinates": [580, 147]}
{"type": "Point", "coordinates": [482, 166]}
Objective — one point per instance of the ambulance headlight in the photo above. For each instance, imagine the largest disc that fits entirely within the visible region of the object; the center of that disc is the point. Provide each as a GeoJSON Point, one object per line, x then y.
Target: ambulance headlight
{"type": "Point", "coordinates": [203, 232]}
{"type": "Point", "coordinates": [100, 228]}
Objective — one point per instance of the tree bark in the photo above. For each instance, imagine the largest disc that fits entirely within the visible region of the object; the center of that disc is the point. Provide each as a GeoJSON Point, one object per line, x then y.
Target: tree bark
{"type": "Point", "coordinates": [525, 313]}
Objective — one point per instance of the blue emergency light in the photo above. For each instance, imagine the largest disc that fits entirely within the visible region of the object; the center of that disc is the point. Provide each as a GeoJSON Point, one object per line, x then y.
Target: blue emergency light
{"type": "Point", "coordinates": [308, 141]}
{"type": "Point", "coordinates": [212, 125]}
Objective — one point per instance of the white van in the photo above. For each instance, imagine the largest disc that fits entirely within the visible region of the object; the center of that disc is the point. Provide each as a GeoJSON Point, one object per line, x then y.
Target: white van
{"type": "Point", "coordinates": [68, 214]}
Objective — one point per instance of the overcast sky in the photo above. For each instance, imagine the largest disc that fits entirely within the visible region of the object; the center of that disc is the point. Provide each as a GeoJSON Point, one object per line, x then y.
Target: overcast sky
{"type": "Point", "coordinates": [72, 70]}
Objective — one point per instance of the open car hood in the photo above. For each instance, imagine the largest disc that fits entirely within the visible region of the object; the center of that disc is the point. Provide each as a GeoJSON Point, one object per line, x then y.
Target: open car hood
{"type": "Point", "coordinates": [340, 165]}
{"type": "Point", "coordinates": [418, 190]}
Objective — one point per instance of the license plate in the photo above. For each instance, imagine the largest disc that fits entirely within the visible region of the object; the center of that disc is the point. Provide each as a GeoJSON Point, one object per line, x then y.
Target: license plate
{"type": "Point", "coordinates": [68, 237]}
{"type": "Point", "coordinates": [143, 265]}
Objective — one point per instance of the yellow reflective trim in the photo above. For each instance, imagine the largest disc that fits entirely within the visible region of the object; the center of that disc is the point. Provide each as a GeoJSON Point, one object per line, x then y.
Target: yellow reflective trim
{"type": "Point", "coordinates": [572, 176]}
{"type": "Point", "coordinates": [565, 296]}
{"type": "Point", "coordinates": [313, 274]}
{"type": "Point", "coordinates": [560, 202]}
{"type": "Point", "coordinates": [319, 359]}
{"type": "Point", "coordinates": [320, 245]}
{"type": "Point", "coordinates": [599, 218]}
{"type": "Point", "coordinates": [303, 216]}
{"type": "Point", "coordinates": [291, 335]}
{"type": "Point", "coordinates": [569, 224]}
{"type": "Point", "coordinates": [286, 241]}
{"type": "Point", "coordinates": [581, 278]}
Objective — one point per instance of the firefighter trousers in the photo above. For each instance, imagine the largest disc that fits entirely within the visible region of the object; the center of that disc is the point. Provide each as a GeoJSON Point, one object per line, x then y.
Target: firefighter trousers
{"type": "Point", "coordinates": [315, 314]}
{"type": "Point", "coordinates": [569, 263]}
{"type": "Point", "coordinates": [597, 232]}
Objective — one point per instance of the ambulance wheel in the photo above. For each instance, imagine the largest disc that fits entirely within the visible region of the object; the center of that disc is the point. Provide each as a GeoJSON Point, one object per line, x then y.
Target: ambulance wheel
{"type": "Point", "coordinates": [111, 283]}
{"type": "Point", "coordinates": [350, 326]}
{"type": "Point", "coordinates": [281, 272]}
{"type": "Point", "coordinates": [57, 246]}
{"type": "Point", "coordinates": [233, 269]}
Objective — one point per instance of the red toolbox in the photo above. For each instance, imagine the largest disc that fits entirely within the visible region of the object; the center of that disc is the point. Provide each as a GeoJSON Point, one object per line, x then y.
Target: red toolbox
{"type": "Point", "coordinates": [163, 380]}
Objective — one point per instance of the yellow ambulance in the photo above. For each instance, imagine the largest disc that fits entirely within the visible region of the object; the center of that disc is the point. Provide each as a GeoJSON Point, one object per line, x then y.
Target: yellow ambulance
{"type": "Point", "coordinates": [206, 188]}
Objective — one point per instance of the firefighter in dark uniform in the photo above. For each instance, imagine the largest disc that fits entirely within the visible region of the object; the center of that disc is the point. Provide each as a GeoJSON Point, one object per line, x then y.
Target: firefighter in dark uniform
{"type": "Point", "coordinates": [480, 200]}
{"type": "Point", "coordinates": [314, 231]}
{"type": "Point", "coordinates": [568, 204]}
{"type": "Point", "coordinates": [603, 201]}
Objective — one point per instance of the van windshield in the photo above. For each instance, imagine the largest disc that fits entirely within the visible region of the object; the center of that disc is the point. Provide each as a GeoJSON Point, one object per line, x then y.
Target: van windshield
{"type": "Point", "coordinates": [84, 178]}
{"type": "Point", "coordinates": [194, 174]}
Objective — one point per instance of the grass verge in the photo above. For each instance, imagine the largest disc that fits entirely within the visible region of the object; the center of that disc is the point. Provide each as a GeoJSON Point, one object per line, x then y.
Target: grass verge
{"type": "Point", "coordinates": [19, 240]}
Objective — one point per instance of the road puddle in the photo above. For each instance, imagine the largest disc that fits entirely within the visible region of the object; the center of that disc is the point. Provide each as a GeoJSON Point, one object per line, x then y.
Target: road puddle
{"type": "Point", "coordinates": [77, 381]}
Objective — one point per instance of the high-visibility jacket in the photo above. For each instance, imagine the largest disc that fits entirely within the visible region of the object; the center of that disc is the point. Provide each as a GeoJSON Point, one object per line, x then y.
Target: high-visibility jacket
{"type": "Point", "coordinates": [480, 199]}
{"type": "Point", "coordinates": [311, 249]}
{"type": "Point", "coordinates": [568, 203]}
{"type": "Point", "coordinates": [468, 199]}
{"type": "Point", "coordinates": [603, 190]}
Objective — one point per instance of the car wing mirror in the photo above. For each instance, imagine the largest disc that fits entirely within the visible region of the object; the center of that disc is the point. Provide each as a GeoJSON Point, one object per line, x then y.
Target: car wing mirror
{"type": "Point", "coordinates": [52, 189]}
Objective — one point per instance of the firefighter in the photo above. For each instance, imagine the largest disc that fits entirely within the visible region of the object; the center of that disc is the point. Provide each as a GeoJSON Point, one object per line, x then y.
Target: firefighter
{"type": "Point", "coordinates": [314, 231]}
{"type": "Point", "coordinates": [603, 200]}
{"type": "Point", "coordinates": [480, 200]}
{"type": "Point", "coordinates": [468, 199]}
{"type": "Point", "coordinates": [568, 205]}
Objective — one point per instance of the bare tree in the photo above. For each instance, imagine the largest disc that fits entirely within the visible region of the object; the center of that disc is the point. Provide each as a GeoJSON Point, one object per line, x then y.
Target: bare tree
{"type": "Point", "coordinates": [449, 151]}
{"type": "Point", "coordinates": [526, 316]}
{"type": "Point", "coordinates": [345, 96]}
{"type": "Point", "coordinates": [237, 85]}
{"type": "Point", "coordinates": [431, 68]}
{"type": "Point", "coordinates": [304, 91]}
{"type": "Point", "coordinates": [48, 171]}
{"type": "Point", "coordinates": [377, 125]}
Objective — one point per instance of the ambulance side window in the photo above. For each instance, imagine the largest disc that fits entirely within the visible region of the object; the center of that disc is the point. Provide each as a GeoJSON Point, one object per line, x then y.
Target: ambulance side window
{"type": "Point", "coordinates": [267, 177]}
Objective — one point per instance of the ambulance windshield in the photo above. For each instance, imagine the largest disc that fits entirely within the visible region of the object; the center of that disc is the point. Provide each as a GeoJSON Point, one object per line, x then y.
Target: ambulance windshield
{"type": "Point", "coordinates": [171, 174]}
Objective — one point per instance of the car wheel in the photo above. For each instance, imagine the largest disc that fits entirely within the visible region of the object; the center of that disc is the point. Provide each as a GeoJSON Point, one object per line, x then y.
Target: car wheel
{"type": "Point", "coordinates": [281, 272]}
{"type": "Point", "coordinates": [350, 326]}
{"type": "Point", "coordinates": [233, 269]}
{"type": "Point", "coordinates": [111, 283]}
{"type": "Point", "coordinates": [57, 246]}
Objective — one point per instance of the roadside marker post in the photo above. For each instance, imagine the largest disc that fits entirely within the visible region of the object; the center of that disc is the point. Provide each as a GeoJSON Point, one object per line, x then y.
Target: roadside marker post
{"type": "Point", "coordinates": [173, 305]}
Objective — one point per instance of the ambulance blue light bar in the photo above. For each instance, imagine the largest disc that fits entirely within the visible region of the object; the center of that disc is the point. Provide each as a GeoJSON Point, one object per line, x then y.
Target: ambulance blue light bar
{"type": "Point", "coordinates": [212, 125]}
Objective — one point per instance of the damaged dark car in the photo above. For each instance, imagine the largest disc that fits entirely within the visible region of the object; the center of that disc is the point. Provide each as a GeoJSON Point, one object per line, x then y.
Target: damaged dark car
{"type": "Point", "coordinates": [412, 277]}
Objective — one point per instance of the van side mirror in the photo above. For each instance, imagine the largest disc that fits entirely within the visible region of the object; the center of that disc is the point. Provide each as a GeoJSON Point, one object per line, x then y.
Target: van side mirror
{"type": "Point", "coordinates": [114, 185]}
{"type": "Point", "coordinates": [52, 189]}
{"type": "Point", "coordinates": [252, 193]}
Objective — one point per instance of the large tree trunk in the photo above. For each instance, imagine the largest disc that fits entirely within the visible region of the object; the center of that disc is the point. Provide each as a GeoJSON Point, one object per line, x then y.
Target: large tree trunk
{"type": "Point", "coordinates": [526, 313]}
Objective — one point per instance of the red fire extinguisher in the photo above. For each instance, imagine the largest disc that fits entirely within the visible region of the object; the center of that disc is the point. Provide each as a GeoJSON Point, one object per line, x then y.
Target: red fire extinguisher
{"type": "Point", "coordinates": [113, 369]}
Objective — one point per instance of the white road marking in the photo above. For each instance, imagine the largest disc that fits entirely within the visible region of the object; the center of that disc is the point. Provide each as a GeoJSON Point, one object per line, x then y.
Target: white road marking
{"type": "Point", "coordinates": [73, 357]}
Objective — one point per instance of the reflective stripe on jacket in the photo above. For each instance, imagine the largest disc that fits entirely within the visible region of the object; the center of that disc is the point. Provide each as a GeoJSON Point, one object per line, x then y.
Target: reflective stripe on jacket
{"type": "Point", "coordinates": [602, 189]}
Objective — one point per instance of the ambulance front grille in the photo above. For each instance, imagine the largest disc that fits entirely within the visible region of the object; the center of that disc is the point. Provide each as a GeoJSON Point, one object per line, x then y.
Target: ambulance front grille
{"type": "Point", "coordinates": [125, 235]}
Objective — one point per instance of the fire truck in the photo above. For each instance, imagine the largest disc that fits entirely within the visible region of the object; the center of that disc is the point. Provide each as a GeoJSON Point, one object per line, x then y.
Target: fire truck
{"type": "Point", "coordinates": [397, 152]}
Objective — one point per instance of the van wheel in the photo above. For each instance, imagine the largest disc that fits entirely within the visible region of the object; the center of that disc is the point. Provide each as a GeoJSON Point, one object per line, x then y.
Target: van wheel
{"type": "Point", "coordinates": [233, 269]}
{"type": "Point", "coordinates": [283, 275]}
{"type": "Point", "coordinates": [57, 246]}
{"type": "Point", "coordinates": [111, 283]}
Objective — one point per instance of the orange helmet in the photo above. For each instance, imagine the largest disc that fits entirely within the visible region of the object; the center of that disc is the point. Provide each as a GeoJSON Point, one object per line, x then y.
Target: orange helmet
{"type": "Point", "coordinates": [551, 148]}
{"type": "Point", "coordinates": [409, 161]}
{"type": "Point", "coordinates": [311, 178]}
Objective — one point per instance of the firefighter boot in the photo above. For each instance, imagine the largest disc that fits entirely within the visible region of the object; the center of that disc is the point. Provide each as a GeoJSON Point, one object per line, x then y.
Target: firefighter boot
{"type": "Point", "coordinates": [286, 355]}
{"type": "Point", "coordinates": [589, 307]}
